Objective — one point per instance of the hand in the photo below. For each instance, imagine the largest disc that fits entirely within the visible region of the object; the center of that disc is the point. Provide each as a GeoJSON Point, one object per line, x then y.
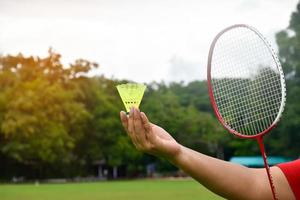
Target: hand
{"type": "Point", "coordinates": [148, 137]}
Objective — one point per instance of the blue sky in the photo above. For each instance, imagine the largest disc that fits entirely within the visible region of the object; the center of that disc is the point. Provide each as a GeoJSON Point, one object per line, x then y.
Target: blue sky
{"type": "Point", "coordinates": [140, 40]}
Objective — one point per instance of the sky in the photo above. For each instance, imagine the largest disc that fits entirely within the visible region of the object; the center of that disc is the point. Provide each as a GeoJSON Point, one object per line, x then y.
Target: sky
{"type": "Point", "coordinates": [138, 40]}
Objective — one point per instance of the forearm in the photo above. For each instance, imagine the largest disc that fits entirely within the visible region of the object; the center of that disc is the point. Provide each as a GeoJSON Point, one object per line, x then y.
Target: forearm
{"type": "Point", "coordinates": [227, 179]}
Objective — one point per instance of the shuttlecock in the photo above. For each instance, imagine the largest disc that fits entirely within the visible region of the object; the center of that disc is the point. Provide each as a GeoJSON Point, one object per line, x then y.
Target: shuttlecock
{"type": "Point", "coordinates": [131, 94]}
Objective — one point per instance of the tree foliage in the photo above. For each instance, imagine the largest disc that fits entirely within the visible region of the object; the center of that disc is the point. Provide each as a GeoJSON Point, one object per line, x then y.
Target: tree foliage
{"type": "Point", "coordinates": [287, 138]}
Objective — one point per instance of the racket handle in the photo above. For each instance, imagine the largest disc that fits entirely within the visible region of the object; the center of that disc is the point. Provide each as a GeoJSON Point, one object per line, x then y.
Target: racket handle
{"type": "Point", "coordinates": [263, 153]}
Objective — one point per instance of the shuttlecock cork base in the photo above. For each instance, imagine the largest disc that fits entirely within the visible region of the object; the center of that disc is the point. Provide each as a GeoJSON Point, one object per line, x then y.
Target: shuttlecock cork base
{"type": "Point", "coordinates": [131, 94]}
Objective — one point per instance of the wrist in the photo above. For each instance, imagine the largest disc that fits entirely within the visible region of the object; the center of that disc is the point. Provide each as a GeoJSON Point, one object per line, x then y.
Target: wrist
{"type": "Point", "coordinates": [177, 156]}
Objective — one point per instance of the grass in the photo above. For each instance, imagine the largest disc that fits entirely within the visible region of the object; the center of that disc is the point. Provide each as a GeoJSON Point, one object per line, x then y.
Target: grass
{"type": "Point", "coordinates": [112, 190]}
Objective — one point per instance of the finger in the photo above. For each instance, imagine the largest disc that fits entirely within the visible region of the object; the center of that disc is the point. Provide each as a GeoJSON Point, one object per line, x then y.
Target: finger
{"type": "Point", "coordinates": [124, 120]}
{"type": "Point", "coordinates": [135, 133]}
{"type": "Point", "coordinates": [138, 128]}
{"type": "Point", "coordinates": [131, 130]}
{"type": "Point", "coordinates": [126, 124]}
{"type": "Point", "coordinates": [145, 122]}
{"type": "Point", "coordinates": [147, 127]}
{"type": "Point", "coordinates": [150, 137]}
{"type": "Point", "coordinates": [130, 122]}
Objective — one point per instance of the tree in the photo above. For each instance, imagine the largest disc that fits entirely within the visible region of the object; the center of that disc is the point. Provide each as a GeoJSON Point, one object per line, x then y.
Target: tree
{"type": "Point", "coordinates": [41, 119]}
{"type": "Point", "coordinates": [287, 136]}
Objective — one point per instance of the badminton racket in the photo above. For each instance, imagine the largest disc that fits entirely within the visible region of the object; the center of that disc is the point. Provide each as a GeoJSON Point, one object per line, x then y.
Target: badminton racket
{"type": "Point", "coordinates": [246, 85]}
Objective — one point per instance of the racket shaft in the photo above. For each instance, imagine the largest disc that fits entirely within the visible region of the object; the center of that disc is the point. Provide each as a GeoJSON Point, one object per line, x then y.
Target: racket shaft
{"type": "Point", "coordinates": [262, 149]}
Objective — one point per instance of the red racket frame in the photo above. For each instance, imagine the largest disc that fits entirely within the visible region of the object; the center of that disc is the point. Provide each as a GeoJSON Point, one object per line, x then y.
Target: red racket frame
{"type": "Point", "coordinates": [259, 136]}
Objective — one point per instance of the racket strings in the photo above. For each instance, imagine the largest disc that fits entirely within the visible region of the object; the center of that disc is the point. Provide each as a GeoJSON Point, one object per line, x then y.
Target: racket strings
{"type": "Point", "coordinates": [246, 82]}
{"type": "Point", "coordinates": [252, 113]}
{"type": "Point", "coordinates": [251, 116]}
{"type": "Point", "coordinates": [230, 97]}
{"type": "Point", "coordinates": [241, 102]}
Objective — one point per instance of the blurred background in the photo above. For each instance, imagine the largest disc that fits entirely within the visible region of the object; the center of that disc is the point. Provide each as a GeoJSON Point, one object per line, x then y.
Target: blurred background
{"type": "Point", "coordinates": [59, 109]}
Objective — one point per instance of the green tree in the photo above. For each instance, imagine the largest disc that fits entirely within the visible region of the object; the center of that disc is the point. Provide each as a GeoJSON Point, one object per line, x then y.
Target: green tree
{"type": "Point", "coordinates": [41, 119]}
{"type": "Point", "coordinates": [287, 136]}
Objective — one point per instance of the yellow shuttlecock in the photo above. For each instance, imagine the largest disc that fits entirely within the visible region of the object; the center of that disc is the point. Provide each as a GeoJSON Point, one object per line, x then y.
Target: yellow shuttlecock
{"type": "Point", "coordinates": [131, 94]}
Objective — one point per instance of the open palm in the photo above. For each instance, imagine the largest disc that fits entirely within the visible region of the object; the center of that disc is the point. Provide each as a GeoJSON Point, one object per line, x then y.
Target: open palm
{"type": "Point", "coordinates": [148, 137]}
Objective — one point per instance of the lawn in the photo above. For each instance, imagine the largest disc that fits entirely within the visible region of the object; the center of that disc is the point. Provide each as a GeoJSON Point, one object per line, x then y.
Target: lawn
{"type": "Point", "coordinates": [119, 190]}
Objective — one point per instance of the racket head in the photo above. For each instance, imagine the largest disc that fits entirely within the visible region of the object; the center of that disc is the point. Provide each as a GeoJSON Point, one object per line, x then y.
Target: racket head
{"type": "Point", "coordinates": [241, 65]}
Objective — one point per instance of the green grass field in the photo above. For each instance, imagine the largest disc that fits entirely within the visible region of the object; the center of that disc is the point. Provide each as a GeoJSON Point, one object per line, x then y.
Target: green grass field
{"type": "Point", "coordinates": [112, 190]}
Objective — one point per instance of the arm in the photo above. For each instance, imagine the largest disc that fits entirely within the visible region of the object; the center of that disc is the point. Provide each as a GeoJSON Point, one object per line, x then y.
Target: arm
{"type": "Point", "coordinates": [226, 179]}
{"type": "Point", "coordinates": [231, 180]}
